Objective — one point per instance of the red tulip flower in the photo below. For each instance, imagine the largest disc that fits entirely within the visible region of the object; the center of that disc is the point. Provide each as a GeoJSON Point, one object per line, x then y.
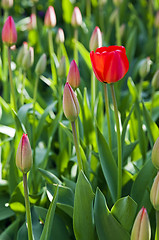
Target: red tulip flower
{"type": "Point", "coordinates": [9, 33]}
{"type": "Point", "coordinates": [110, 64]}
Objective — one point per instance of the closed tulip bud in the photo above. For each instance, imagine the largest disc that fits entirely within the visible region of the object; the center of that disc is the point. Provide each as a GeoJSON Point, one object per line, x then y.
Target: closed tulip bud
{"type": "Point", "coordinates": [32, 23]}
{"type": "Point", "coordinates": [7, 4]}
{"type": "Point", "coordinates": [28, 59]}
{"type": "Point", "coordinates": [60, 38]}
{"type": "Point", "coordinates": [9, 33]}
{"type": "Point", "coordinates": [155, 154]}
{"type": "Point", "coordinates": [76, 17]}
{"type": "Point", "coordinates": [73, 77]}
{"type": "Point", "coordinates": [41, 65]}
{"type": "Point", "coordinates": [117, 2]}
{"type": "Point", "coordinates": [61, 71]}
{"type": "Point", "coordinates": [24, 155]}
{"type": "Point", "coordinates": [144, 67]}
{"type": "Point", "coordinates": [21, 53]}
{"type": "Point", "coordinates": [96, 39]}
{"type": "Point", "coordinates": [154, 194]}
{"type": "Point", "coordinates": [50, 17]}
{"type": "Point", "coordinates": [141, 229]}
{"type": "Point", "coordinates": [157, 19]}
{"type": "Point", "coordinates": [155, 80]}
{"type": "Point", "coordinates": [70, 103]}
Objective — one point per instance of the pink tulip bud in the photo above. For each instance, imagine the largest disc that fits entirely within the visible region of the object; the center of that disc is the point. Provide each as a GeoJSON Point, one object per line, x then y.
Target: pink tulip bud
{"type": "Point", "coordinates": [28, 58]}
{"type": "Point", "coordinates": [32, 23]}
{"type": "Point", "coordinates": [50, 17]}
{"type": "Point", "coordinates": [73, 77]}
{"type": "Point", "coordinates": [22, 52]}
{"type": "Point", "coordinates": [76, 17]}
{"type": "Point", "coordinates": [70, 103]}
{"type": "Point", "coordinates": [154, 194]}
{"type": "Point", "coordinates": [155, 154]}
{"type": "Point", "coordinates": [7, 4]}
{"type": "Point", "coordinates": [9, 33]}
{"type": "Point", "coordinates": [24, 155]}
{"type": "Point", "coordinates": [60, 38]}
{"type": "Point", "coordinates": [96, 39]}
{"type": "Point", "coordinates": [141, 229]}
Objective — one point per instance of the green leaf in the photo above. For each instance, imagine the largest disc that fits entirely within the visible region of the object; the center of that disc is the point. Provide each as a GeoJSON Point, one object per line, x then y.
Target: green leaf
{"type": "Point", "coordinates": [11, 231]}
{"type": "Point", "coordinates": [84, 53]}
{"type": "Point", "coordinates": [128, 149]}
{"type": "Point", "coordinates": [5, 211]}
{"type": "Point", "coordinates": [108, 164]}
{"type": "Point", "coordinates": [124, 210]}
{"type": "Point", "coordinates": [67, 10]}
{"type": "Point", "coordinates": [83, 212]}
{"type": "Point", "coordinates": [50, 217]}
{"type": "Point", "coordinates": [50, 177]}
{"type": "Point", "coordinates": [106, 225]}
{"type": "Point", "coordinates": [132, 89]}
{"type": "Point", "coordinates": [131, 44]}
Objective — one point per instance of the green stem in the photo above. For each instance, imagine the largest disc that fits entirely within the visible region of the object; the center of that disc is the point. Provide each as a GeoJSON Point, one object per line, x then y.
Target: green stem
{"type": "Point", "coordinates": [27, 206]}
{"type": "Point", "coordinates": [80, 165]}
{"type": "Point", "coordinates": [11, 80]}
{"type": "Point", "coordinates": [93, 91]}
{"type": "Point", "coordinates": [88, 8]}
{"type": "Point", "coordinates": [108, 114]}
{"type": "Point", "coordinates": [75, 46]}
{"type": "Point", "coordinates": [117, 25]}
{"type": "Point", "coordinates": [118, 142]}
{"type": "Point", "coordinates": [157, 224]}
{"type": "Point", "coordinates": [23, 87]}
{"type": "Point", "coordinates": [140, 88]}
{"type": "Point", "coordinates": [51, 52]}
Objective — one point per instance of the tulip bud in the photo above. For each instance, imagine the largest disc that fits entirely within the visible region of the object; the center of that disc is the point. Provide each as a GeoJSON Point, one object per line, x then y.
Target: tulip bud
{"type": "Point", "coordinates": [21, 53]}
{"type": "Point", "coordinates": [155, 154]}
{"type": "Point", "coordinates": [155, 80]}
{"type": "Point", "coordinates": [113, 16]}
{"type": "Point", "coordinates": [144, 67]}
{"type": "Point", "coordinates": [102, 2]}
{"type": "Point", "coordinates": [60, 38]}
{"type": "Point", "coordinates": [7, 4]}
{"type": "Point", "coordinates": [41, 65]}
{"type": "Point", "coordinates": [96, 39]}
{"type": "Point", "coordinates": [9, 33]}
{"type": "Point", "coordinates": [24, 155]}
{"type": "Point", "coordinates": [154, 194]}
{"type": "Point", "coordinates": [28, 59]}
{"type": "Point", "coordinates": [157, 19]}
{"type": "Point", "coordinates": [32, 23]}
{"type": "Point", "coordinates": [50, 17]}
{"type": "Point", "coordinates": [141, 229]}
{"type": "Point", "coordinates": [70, 103]}
{"type": "Point", "coordinates": [73, 77]}
{"type": "Point", "coordinates": [61, 71]}
{"type": "Point", "coordinates": [117, 2]}
{"type": "Point", "coordinates": [76, 17]}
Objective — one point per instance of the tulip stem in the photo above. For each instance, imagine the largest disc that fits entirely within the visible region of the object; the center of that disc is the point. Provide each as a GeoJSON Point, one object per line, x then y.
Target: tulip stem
{"type": "Point", "coordinates": [80, 165]}
{"type": "Point", "coordinates": [75, 46]}
{"type": "Point", "coordinates": [51, 52]}
{"type": "Point", "coordinates": [27, 206]}
{"type": "Point", "coordinates": [117, 25]}
{"type": "Point", "coordinates": [157, 224]}
{"type": "Point", "coordinates": [108, 114]}
{"type": "Point", "coordinates": [23, 86]}
{"type": "Point", "coordinates": [93, 91]}
{"type": "Point", "coordinates": [118, 142]}
{"type": "Point", "coordinates": [11, 80]}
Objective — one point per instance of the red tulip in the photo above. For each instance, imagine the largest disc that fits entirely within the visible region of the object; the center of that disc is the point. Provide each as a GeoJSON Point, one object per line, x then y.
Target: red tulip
{"type": "Point", "coordinates": [9, 33]}
{"type": "Point", "coordinates": [73, 77]}
{"type": "Point", "coordinates": [110, 64]}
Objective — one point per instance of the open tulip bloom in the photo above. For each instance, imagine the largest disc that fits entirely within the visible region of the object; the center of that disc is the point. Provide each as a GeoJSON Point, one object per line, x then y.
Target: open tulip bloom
{"type": "Point", "coordinates": [110, 64]}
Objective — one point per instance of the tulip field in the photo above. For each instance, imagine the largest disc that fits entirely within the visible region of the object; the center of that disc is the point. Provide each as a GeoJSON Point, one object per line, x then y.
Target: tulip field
{"type": "Point", "coordinates": [79, 120]}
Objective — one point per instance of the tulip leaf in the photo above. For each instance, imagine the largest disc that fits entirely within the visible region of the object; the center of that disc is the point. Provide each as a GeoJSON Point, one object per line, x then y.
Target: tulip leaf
{"type": "Point", "coordinates": [124, 210]}
{"type": "Point", "coordinates": [84, 53]}
{"type": "Point", "coordinates": [106, 225]}
{"type": "Point", "coordinates": [82, 217]}
{"type": "Point", "coordinates": [11, 231]}
{"type": "Point", "coordinates": [108, 164]}
{"type": "Point", "coordinates": [50, 177]}
{"type": "Point", "coordinates": [67, 10]}
{"type": "Point", "coordinates": [131, 44]}
{"type": "Point", "coordinates": [128, 149]}
{"type": "Point", "coordinates": [50, 217]}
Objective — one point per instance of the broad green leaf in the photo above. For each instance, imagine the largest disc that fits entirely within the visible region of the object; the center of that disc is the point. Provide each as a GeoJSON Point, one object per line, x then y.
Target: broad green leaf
{"type": "Point", "coordinates": [128, 149]}
{"type": "Point", "coordinates": [11, 231]}
{"type": "Point", "coordinates": [108, 165]}
{"type": "Point", "coordinates": [83, 210]}
{"type": "Point", "coordinates": [23, 113]}
{"type": "Point", "coordinates": [131, 44]}
{"type": "Point", "coordinates": [141, 187]}
{"type": "Point", "coordinates": [152, 128]}
{"type": "Point", "coordinates": [17, 202]}
{"type": "Point", "coordinates": [5, 210]}
{"type": "Point", "coordinates": [50, 217]}
{"type": "Point", "coordinates": [50, 177]}
{"type": "Point", "coordinates": [132, 89]}
{"type": "Point", "coordinates": [124, 210]}
{"type": "Point", "coordinates": [106, 225]}
{"type": "Point", "coordinates": [99, 111]}
{"type": "Point", "coordinates": [67, 10]}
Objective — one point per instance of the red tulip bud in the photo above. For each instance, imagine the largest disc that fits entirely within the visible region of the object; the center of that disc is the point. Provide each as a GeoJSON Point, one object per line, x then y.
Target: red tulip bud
{"type": "Point", "coordinates": [24, 155]}
{"type": "Point", "coordinates": [70, 103]}
{"type": "Point", "coordinates": [76, 17]}
{"type": "Point", "coordinates": [60, 38]}
{"type": "Point", "coordinates": [141, 228]}
{"type": "Point", "coordinates": [73, 77]}
{"type": "Point", "coordinates": [9, 33]}
{"type": "Point", "coordinates": [50, 17]}
{"type": "Point", "coordinates": [96, 39]}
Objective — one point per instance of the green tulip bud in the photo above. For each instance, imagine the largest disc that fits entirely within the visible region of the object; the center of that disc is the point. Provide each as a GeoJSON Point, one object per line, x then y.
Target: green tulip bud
{"type": "Point", "coordinates": [155, 154]}
{"type": "Point", "coordinates": [154, 194]}
{"type": "Point", "coordinates": [155, 80]}
{"type": "Point", "coordinates": [144, 67]}
{"type": "Point", "coordinates": [41, 65]}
